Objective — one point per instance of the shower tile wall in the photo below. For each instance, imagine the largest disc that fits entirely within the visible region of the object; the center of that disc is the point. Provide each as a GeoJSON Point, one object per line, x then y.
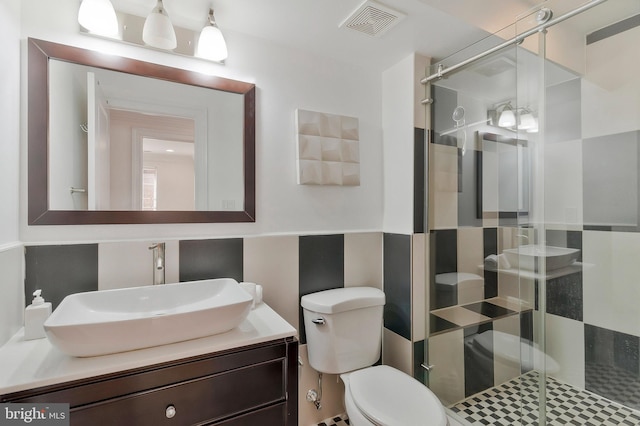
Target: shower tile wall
{"type": "Point", "coordinates": [419, 181]}
{"type": "Point", "coordinates": [405, 269]}
{"type": "Point", "coordinates": [397, 279]}
{"type": "Point", "coordinates": [594, 332]}
{"type": "Point", "coordinates": [404, 313]}
{"type": "Point", "coordinates": [592, 173]}
{"type": "Point", "coordinates": [465, 314]}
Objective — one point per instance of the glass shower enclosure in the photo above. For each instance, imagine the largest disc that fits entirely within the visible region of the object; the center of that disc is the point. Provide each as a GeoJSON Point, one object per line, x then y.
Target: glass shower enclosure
{"type": "Point", "coordinates": [534, 220]}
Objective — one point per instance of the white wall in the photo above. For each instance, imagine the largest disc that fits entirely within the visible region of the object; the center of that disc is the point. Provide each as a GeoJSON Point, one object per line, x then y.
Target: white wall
{"type": "Point", "coordinates": [285, 80]}
{"type": "Point", "coordinates": [11, 251]}
{"type": "Point", "coordinates": [68, 156]}
{"type": "Point", "coordinates": [402, 112]}
{"type": "Point", "coordinates": [11, 290]}
{"type": "Point", "coordinates": [398, 128]}
{"type": "Point", "coordinates": [9, 118]}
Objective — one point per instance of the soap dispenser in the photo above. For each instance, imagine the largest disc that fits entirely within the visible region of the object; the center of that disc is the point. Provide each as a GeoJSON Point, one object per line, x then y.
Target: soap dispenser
{"type": "Point", "coordinates": [34, 317]}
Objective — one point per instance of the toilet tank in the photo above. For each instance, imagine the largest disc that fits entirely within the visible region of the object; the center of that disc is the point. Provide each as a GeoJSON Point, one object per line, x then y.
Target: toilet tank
{"type": "Point", "coordinates": [343, 328]}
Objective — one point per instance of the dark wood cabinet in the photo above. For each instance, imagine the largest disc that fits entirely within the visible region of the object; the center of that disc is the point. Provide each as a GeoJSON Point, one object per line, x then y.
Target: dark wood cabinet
{"type": "Point", "coordinates": [253, 385]}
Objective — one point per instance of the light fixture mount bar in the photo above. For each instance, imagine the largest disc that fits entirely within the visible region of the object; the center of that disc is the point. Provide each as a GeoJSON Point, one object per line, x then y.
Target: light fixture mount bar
{"type": "Point", "coordinates": [130, 31]}
{"type": "Point", "coordinates": [135, 30]}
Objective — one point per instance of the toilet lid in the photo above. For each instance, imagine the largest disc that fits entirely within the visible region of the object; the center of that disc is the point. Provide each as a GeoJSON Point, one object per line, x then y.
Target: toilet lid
{"type": "Point", "coordinates": [390, 397]}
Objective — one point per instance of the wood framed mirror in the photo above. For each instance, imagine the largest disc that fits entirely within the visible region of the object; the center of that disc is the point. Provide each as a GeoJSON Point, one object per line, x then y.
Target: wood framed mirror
{"type": "Point", "coordinates": [93, 198]}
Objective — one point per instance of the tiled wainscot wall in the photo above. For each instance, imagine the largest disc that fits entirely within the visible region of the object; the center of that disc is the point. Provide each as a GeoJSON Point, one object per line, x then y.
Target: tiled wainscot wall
{"type": "Point", "coordinates": [288, 267]}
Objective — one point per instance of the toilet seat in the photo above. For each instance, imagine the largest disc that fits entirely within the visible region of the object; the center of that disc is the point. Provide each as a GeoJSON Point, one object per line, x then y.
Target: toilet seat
{"type": "Point", "coordinates": [389, 397]}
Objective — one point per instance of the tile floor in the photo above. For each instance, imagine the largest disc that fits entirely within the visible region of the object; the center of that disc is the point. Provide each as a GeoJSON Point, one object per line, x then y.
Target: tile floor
{"type": "Point", "coordinates": [616, 383]}
{"type": "Point", "coordinates": [341, 420]}
{"type": "Point", "coordinates": [516, 403]}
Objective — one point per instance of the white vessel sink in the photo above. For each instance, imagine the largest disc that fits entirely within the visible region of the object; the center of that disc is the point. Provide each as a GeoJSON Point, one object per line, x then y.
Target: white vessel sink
{"type": "Point", "coordinates": [110, 321]}
{"type": "Point", "coordinates": [524, 257]}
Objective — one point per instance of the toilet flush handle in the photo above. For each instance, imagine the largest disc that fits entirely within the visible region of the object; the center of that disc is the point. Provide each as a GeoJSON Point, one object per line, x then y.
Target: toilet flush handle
{"type": "Point", "coordinates": [318, 321]}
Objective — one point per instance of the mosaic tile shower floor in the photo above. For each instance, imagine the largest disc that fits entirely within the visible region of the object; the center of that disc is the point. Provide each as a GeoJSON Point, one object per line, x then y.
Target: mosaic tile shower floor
{"type": "Point", "coordinates": [516, 403]}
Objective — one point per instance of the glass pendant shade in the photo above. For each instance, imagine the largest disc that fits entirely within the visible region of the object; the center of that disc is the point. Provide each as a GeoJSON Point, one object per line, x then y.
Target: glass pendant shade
{"type": "Point", "coordinates": [507, 118]}
{"type": "Point", "coordinates": [527, 121]}
{"type": "Point", "coordinates": [158, 31]}
{"type": "Point", "coordinates": [98, 17]}
{"type": "Point", "coordinates": [211, 44]}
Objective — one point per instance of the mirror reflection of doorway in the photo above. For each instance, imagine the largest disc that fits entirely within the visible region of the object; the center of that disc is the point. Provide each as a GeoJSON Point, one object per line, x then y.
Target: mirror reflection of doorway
{"type": "Point", "coordinates": [167, 175]}
{"type": "Point", "coordinates": [159, 146]}
{"type": "Point", "coordinates": [163, 143]}
{"type": "Point", "coordinates": [150, 188]}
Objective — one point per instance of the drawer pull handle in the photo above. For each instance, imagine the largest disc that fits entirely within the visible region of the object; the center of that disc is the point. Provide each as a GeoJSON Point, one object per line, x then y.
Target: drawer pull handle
{"type": "Point", "coordinates": [170, 411]}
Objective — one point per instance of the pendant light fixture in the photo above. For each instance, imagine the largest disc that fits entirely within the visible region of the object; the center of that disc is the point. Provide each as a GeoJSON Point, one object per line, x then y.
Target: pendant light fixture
{"type": "Point", "coordinates": [211, 44]}
{"type": "Point", "coordinates": [515, 119]}
{"type": "Point", "coordinates": [98, 17]}
{"type": "Point", "coordinates": [507, 116]}
{"type": "Point", "coordinates": [158, 31]}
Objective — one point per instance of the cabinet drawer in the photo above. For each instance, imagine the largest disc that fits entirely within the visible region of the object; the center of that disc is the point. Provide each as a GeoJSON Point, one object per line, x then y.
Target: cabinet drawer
{"type": "Point", "coordinates": [132, 382]}
{"type": "Point", "coordinates": [275, 415]}
{"type": "Point", "coordinates": [204, 400]}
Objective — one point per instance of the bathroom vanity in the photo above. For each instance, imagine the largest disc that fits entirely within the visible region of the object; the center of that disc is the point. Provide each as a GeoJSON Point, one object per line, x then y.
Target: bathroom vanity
{"type": "Point", "coordinates": [243, 377]}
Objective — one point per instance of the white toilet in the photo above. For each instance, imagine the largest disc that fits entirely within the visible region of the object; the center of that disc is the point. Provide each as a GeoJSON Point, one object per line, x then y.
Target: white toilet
{"type": "Point", "coordinates": [344, 336]}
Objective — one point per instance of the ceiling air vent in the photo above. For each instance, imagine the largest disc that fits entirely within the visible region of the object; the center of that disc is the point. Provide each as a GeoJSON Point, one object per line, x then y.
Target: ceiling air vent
{"type": "Point", "coordinates": [372, 19]}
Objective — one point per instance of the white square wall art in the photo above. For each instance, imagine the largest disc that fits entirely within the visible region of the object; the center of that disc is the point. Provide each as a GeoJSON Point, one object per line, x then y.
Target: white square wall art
{"type": "Point", "coordinates": [328, 149]}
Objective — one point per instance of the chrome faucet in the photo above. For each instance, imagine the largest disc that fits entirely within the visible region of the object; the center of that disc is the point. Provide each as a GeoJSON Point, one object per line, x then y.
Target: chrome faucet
{"type": "Point", "coordinates": [158, 262]}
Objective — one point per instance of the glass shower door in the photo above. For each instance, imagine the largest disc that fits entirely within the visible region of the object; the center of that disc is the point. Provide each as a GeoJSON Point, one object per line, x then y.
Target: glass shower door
{"type": "Point", "coordinates": [534, 210]}
{"type": "Point", "coordinates": [589, 321]}
{"type": "Point", "coordinates": [480, 308]}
